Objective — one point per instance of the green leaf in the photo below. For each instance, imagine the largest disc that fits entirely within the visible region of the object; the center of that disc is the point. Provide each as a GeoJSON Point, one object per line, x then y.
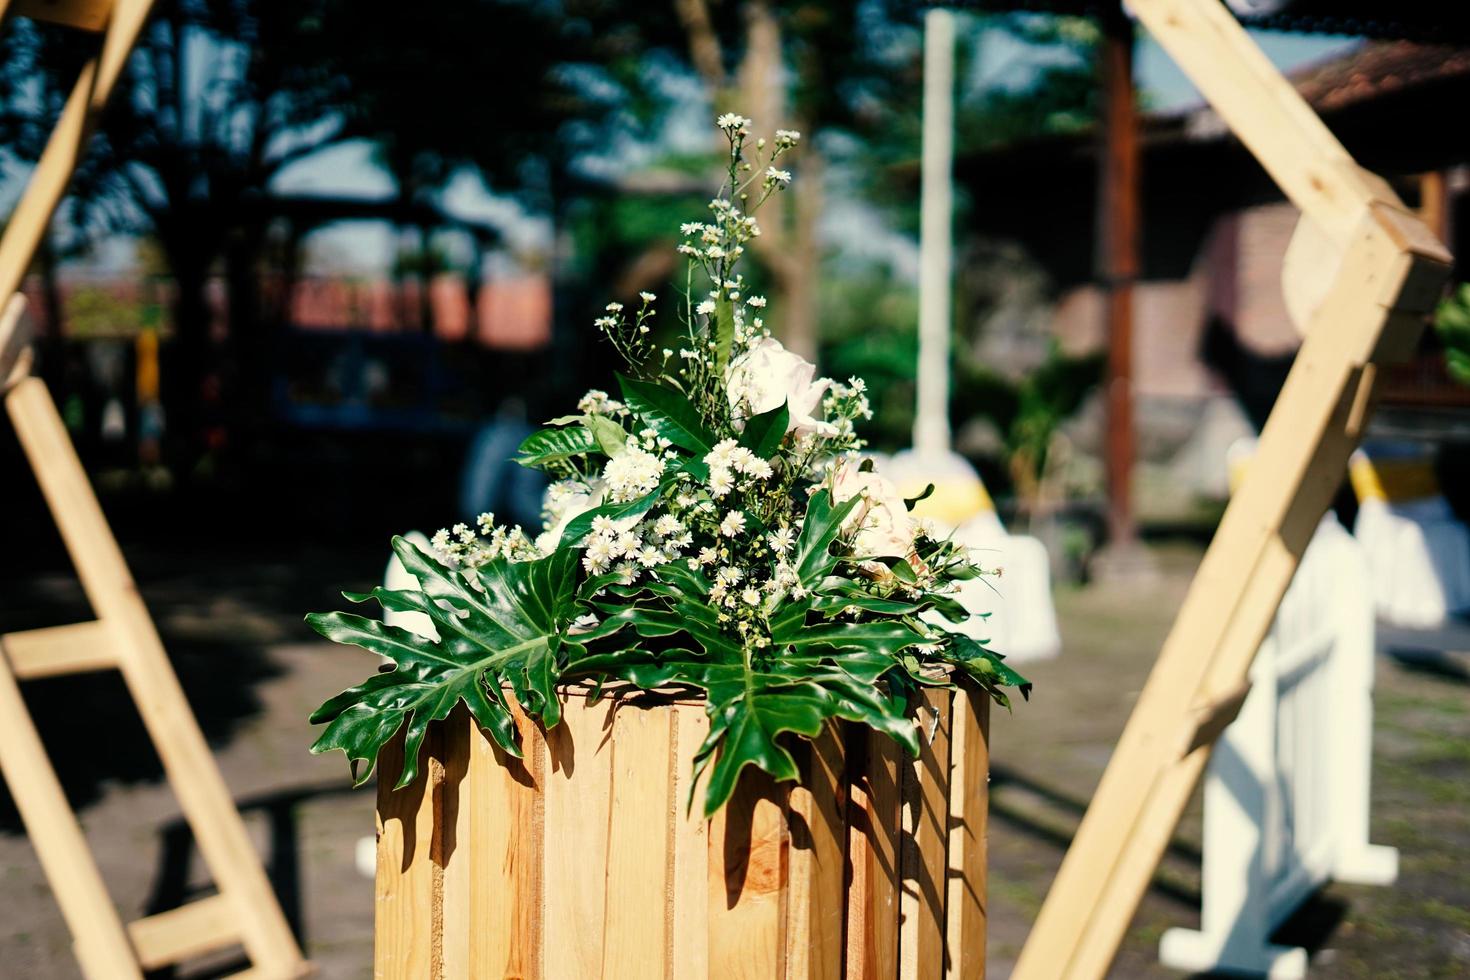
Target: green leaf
{"type": "Point", "coordinates": [611, 437]}
{"type": "Point", "coordinates": [549, 445]}
{"type": "Point", "coordinates": [578, 526]}
{"type": "Point", "coordinates": [910, 502]}
{"type": "Point", "coordinates": [500, 626]}
{"type": "Point", "coordinates": [669, 413]}
{"type": "Point", "coordinates": [724, 331]}
{"type": "Point", "coordinates": [988, 667]}
{"type": "Point", "coordinates": [814, 560]}
{"type": "Point", "coordinates": [764, 432]}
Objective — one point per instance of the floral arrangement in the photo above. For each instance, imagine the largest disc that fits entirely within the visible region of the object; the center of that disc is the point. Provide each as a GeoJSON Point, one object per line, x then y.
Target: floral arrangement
{"type": "Point", "coordinates": [713, 527]}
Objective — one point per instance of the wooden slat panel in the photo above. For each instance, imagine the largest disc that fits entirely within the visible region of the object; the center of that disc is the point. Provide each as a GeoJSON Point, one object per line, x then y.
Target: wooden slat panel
{"type": "Point", "coordinates": [925, 843]}
{"type": "Point", "coordinates": [189, 930]}
{"type": "Point", "coordinates": [578, 803]}
{"type": "Point", "coordinates": [747, 879]}
{"type": "Point", "coordinates": [966, 906]}
{"type": "Point", "coordinates": [816, 899]}
{"type": "Point", "coordinates": [873, 906]}
{"type": "Point", "coordinates": [636, 945]}
{"type": "Point", "coordinates": [690, 954]}
{"type": "Point", "coordinates": [403, 934]}
{"type": "Point", "coordinates": [84, 15]}
{"type": "Point", "coordinates": [454, 867]}
{"type": "Point", "coordinates": [55, 650]}
{"type": "Point", "coordinates": [507, 844]}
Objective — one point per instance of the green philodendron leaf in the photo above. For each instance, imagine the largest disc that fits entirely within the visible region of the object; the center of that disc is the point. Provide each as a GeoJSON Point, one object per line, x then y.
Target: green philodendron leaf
{"type": "Point", "coordinates": [500, 626]}
{"type": "Point", "coordinates": [814, 560]}
{"type": "Point", "coordinates": [669, 413]}
{"type": "Point", "coordinates": [764, 432]}
{"type": "Point", "coordinates": [550, 445]}
{"type": "Point", "coordinates": [988, 667]}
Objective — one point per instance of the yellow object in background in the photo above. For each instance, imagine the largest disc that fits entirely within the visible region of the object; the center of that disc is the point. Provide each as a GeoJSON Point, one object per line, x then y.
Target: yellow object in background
{"type": "Point", "coordinates": [146, 373]}
{"type": "Point", "coordinates": [1393, 480]}
{"type": "Point", "coordinates": [959, 495]}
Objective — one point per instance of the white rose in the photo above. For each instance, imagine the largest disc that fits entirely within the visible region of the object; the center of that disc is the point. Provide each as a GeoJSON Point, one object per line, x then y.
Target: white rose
{"type": "Point", "coordinates": [769, 375]}
{"type": "Point", "coordinates": [885, 527]}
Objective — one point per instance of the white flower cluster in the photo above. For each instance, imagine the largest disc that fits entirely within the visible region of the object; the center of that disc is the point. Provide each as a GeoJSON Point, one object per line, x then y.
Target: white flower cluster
{"type": "Point", "coordinates": [632, 474]}
{"type": "Point", "coordinates": [463, 546]}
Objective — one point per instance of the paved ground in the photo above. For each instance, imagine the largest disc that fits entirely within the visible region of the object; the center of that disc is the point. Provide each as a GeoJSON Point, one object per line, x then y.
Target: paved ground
{"type": "Point", "coordinates": [232, 622]}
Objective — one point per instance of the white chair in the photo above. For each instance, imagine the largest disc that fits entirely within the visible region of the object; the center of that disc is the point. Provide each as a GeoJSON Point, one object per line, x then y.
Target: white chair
{"type": "Point", "coordinates": [1286, 792]}
{"type": "Point", "coordinates": [1014, 612]}
{"type": "Point", "coordinates": [1419, 550]}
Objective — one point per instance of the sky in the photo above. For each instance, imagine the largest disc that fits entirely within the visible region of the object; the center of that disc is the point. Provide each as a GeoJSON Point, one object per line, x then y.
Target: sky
{"type": "Point", "coordinates": [348, 169]}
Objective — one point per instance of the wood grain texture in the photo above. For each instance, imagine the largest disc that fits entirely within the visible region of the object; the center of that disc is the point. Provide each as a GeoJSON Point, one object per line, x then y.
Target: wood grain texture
{"type": "Point", "coordinates": [876, 815]}
{"type": "Point", "coordinates": [691, 844]}
{"type": "Point", "coordinates": [403, 894]}
{"type": "Point", "coordinates": [817, 890]}
{"type": "Point", "coordinates": [748, 876]}
{"type": "Point", "coordinates": [585, 860]}
{"type": "Point", "coordinates": [578, 810]}
{"type": "Point", "coordinates": [639, 866]}
{"type": "Point", "coordinates": [507, 843]}
{"type": "Point", "coordinates": [966, 905]}
{"type": "Point", "coordinates": [925, 843]}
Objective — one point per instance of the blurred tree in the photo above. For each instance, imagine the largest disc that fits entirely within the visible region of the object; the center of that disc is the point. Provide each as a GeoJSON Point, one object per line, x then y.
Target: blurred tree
{"type": "Point", "coordinates": [222, 95]}
{"type": "Point", "coordinates": [1452, 323]}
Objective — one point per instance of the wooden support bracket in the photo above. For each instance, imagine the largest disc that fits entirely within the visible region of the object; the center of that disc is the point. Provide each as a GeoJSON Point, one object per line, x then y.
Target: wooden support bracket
{"type": "Point", "coordinates": [57, 650]}
{"type": "Point", "coordinates": [1369, 272]}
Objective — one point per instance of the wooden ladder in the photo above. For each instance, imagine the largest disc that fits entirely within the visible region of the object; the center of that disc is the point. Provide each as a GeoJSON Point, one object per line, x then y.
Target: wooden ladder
{"type": "Point", "coordinates": [1361, 274]}
{"type": "Point", "coordinates": [244, 911]}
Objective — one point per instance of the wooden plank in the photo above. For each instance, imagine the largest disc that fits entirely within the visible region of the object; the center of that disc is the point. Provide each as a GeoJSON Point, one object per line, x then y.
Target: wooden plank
{"type": "Point", "coordinates": [83, 15]}
{"type": "Point", "coordinates": [507, 849]}
{"type": "Point", "coordinates": [56, 650]}
{"type": "Point", "coordinates": [403, 936]}
{"type": "Point", "coordinates": [636, 944]}
{"type": "Point", "coordinates": [748, 873]}
{"type": "Point", "coordinates": [816, 896]}
{"type": "Point", "coordinates": [190, 930]}
{"type": "Point", "coordinates": [924, 847]}
{"type": "Point", "coordinates": [578, 807]}
{"type": "Point", "coordinates": [875, 813]}
{"type": "Point", "coordinates": [691, 851]}
{"type": "Point", "coordinates": [452, 856]}
{"type": "Point", "coordinates": [196, 780]}
{"type": "Point", "coordinates": [966, 906]}
{"type": "Point", "coordinates": [101, 943]}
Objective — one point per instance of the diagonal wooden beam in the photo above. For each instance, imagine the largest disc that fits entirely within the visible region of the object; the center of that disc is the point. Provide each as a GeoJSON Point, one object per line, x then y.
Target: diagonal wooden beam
{"type": "Point", "coordinates": [84, 15]}
{"type": "Point", "coordinates": [1385, 271]}
{"type": "Point", "coordinates": [78, 119]}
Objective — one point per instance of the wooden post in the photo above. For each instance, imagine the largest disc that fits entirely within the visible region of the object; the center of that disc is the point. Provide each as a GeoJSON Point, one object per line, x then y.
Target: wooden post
{"type": "Point", "coordinates": [1117, 262]}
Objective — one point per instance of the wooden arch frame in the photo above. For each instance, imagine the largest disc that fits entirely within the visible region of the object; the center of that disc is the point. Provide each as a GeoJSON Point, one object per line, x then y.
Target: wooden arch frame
{"type": "Point", "coordinates": [1361, 275]}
